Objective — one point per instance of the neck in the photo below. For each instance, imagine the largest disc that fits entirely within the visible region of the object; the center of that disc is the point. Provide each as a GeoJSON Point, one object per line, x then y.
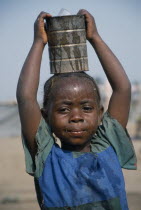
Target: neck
{"type": "Point", "coordinates": [76, 148]}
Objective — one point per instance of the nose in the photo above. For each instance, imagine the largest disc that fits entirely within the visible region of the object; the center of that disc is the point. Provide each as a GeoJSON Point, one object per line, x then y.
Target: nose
{"type": "Point", "coordinates": [76, 116]}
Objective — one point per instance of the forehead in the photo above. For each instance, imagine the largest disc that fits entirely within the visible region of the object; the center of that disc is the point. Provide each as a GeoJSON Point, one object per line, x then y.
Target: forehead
{"type": "Point", "coordinates": [73, 87]}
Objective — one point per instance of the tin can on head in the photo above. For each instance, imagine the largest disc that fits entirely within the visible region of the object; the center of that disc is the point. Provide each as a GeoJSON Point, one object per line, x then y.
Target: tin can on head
{"type": "Point", "coordinates": [67, 44]}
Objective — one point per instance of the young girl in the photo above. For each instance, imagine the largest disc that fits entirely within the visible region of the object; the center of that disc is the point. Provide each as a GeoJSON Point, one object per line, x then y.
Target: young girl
{"type": "Point", "coordinates": [84, 172]}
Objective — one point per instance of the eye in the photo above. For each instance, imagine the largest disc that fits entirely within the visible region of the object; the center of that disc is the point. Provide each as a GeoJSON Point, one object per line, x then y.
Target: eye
{"type": "Point", "coordinates": [87, 108]}
{"type": "Point", "coordinates": [63, 110]}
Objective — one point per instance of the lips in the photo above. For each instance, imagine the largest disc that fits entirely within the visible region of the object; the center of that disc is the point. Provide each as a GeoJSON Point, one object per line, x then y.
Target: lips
{"type": "Point", "coordinates": [76, 132]}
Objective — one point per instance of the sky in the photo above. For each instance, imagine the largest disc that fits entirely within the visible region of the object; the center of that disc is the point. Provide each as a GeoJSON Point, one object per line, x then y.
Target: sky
{"type": "Point", "coordinates": [118, 23]}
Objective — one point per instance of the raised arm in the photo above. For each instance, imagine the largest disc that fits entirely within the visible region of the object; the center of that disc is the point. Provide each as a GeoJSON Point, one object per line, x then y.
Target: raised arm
{"type": "Point", "coordinates": [119, 104]}
{"type": "Point", "coordinates": [27, 87]}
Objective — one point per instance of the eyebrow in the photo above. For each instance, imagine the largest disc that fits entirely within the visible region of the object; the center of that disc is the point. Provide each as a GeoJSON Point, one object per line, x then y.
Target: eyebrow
{"type": "Point", "coordinates": [68, 102]}
{"type": "Point", "coordinates": [87, 101]}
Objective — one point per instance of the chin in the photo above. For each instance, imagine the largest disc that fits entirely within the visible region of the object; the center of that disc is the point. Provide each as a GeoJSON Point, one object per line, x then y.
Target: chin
{"type": "Point", "coordinates": [75, 143]}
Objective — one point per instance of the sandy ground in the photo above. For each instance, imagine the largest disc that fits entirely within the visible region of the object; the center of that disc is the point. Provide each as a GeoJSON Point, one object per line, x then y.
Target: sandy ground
{"type": "Point", "coordinates": [17, 188]}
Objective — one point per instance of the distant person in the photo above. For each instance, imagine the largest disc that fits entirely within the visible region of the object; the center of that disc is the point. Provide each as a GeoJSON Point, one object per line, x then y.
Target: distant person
{"type": "Point", "coordinates": [84, 172]}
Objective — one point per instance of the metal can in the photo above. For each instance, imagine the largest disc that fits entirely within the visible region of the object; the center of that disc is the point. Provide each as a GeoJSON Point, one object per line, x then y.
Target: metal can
{"type": "Point", "coordinates": [67, 44]}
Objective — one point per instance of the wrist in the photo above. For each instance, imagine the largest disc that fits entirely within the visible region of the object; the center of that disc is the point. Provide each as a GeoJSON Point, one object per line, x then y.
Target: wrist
{"type": "Point", "coordinates": [39, 43]}
{"type": "Point", "coordinates": [95, 38]}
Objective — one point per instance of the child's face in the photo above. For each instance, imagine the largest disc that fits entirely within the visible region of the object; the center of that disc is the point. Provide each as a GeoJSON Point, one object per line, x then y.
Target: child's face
{"type": "Point", "coordinates": [74, 113]}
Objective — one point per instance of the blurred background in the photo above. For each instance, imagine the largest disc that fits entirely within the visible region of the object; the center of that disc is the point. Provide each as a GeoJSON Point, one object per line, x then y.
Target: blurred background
{"type": "Point", "coordinates": [118, 23]}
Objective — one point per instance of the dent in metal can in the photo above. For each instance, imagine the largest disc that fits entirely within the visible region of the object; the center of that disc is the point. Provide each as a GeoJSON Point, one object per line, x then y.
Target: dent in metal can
{"type": "Point", "coordinates": [67, 44]}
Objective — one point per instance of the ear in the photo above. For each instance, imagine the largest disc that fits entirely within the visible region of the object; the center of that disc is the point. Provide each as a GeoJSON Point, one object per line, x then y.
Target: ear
{"type": "Point", "coordinates": [101, 111]}
{"type": "Point", "coordinates": [44, 113]}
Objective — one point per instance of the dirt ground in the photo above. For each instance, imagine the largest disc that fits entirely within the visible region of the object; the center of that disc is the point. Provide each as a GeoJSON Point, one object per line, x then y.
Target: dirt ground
{"type": "Point", "coordinates": [17, 188]}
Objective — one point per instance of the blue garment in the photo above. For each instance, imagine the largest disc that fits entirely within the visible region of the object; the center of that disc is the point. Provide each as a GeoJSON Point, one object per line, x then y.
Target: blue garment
{"type": "Point", "coordinates": [69, 181]}
{"type": "Point", "coordinates": [83, 180]}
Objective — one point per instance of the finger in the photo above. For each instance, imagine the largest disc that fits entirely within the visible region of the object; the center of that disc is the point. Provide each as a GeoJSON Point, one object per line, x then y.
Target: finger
{"type": "Point", "coordinates": [85, 13]}
{"type": "Point", "coordinates": [82, 12]}
{"type": "Point", "coordinates": [43, 15]}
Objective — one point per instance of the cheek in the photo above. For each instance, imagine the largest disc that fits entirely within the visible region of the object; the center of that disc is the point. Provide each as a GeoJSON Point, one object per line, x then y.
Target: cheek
{"type": "Point", "coordinates": [93, 122]}
{"type": "Point", "coordinates": [57, 122]}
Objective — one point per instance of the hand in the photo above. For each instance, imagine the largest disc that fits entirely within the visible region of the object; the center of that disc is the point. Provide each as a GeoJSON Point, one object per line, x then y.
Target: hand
{"type": "Point", "coordinates": [40, 33]}
{"type": "Point", "coordinates": [91, 29]}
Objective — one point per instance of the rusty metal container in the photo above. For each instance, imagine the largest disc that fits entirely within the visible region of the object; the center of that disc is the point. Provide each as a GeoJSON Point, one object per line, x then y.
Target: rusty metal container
{"type": "Point", "coordinates": [67, 44]}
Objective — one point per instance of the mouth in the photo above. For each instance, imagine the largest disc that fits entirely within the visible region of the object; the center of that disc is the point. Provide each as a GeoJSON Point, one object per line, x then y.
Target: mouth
{"type": "Point", "coordinates": [76, 133]}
